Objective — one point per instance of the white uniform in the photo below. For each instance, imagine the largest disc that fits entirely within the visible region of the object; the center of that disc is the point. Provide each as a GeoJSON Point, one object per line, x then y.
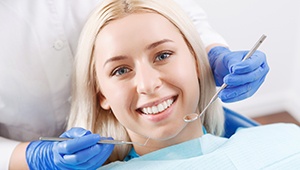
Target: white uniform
{"type": "Point", "coordinates": [37, 46]}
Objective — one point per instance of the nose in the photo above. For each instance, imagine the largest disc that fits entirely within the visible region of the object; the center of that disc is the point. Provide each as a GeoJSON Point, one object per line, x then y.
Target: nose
{"type": "Point", "coordinates": [148, 79]}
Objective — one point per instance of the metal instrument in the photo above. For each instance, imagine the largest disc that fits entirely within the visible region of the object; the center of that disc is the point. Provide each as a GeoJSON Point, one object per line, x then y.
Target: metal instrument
{"type": "Point", "coordinates": [194, 116]}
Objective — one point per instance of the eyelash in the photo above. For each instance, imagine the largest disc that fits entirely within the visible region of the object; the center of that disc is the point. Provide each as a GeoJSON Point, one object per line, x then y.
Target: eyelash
{"type": "Point", "coordinates": [116, 72]}
{"type": "Point", "coordinates": [162, 54]}
{"type": "Point", "coordinates": [118, 69]}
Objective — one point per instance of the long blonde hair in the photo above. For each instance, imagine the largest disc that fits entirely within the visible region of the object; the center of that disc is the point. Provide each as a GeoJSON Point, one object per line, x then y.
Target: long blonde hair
{"type": "Point", "coordinates": [86, 111]}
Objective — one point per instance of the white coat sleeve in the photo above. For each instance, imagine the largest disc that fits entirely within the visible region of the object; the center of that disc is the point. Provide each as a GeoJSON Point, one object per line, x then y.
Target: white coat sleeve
{"type": "Point", "coordinates": [7, 146]}
{"type": "Point", "coordinates": [199, 18]}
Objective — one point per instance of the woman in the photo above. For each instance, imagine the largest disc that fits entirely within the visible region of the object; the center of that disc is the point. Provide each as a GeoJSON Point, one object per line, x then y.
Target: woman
{"type": "Point", "coordinates": [92, 79]}
{"type": "Point", "coordinates": [79, 154]}
{"type": "Point", "coordinates": [140, 69]}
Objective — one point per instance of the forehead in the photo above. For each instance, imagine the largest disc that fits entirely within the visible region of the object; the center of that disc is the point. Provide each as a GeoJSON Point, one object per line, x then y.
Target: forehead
{"type": "Point", "coordinates": [136, 28]}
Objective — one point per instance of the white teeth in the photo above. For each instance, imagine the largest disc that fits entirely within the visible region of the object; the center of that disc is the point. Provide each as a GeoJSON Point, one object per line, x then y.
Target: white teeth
{"type": "Point", "coordinates": [158, 108]}
{"type": "Point", "coordinates": [154, 109]}
{"type": "Point", "coordinates": [165, 104]}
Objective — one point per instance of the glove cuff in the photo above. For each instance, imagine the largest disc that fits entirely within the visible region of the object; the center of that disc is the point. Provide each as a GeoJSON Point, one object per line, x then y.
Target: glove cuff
{"type": "Point", "coordinates": [39, 155]}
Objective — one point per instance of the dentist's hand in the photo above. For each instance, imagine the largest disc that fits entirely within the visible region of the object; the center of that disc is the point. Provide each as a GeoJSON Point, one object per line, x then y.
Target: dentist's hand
{"type": "Point", "coordinates": [243, 78]}
{"type": "Point", "coordinates": [82, 152]}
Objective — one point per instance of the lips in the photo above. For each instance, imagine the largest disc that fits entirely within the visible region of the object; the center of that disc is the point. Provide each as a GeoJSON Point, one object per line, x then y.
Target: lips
{"type": "Point", "coordinates": [157, 108]}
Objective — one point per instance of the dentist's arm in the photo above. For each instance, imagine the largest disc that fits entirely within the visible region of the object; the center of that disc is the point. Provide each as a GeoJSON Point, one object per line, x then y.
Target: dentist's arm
{"type": "Point", "coordinates": [243, 78]}
{"type": "Point", "coordinates": [18, 159]}
{"type": "Point", "coordinates": [8, 147]}
{"type": "Point", "coordinates": [82, 152]}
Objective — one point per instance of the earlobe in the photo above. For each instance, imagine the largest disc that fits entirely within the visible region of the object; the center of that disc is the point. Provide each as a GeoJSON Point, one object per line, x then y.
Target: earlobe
{"type": "Point", "coordinates": [104, 103]}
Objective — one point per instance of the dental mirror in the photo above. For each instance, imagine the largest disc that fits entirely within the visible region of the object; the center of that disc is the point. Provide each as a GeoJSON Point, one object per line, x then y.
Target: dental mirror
{"type": "Point", "coordinates": [190, 117]}
{"type": "Point", "coordinates": [194, 116]}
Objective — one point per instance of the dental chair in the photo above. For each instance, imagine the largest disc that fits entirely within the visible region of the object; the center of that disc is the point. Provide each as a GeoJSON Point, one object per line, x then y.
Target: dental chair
{"type": "Point", "coordinates": [234, 120]}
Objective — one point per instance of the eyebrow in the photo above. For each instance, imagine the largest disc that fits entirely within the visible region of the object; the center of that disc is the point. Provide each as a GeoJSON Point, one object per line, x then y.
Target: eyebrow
{"type": "Point", "coordinates": [116, 58]}
{"type": "Point", "coordinates": [149, 47]}
{"type": "Point", "coordinates": [155, 44]}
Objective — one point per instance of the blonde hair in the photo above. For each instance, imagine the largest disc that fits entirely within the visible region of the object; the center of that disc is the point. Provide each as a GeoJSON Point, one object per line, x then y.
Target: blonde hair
{"type": "Point", "coordinates": [86, 111]}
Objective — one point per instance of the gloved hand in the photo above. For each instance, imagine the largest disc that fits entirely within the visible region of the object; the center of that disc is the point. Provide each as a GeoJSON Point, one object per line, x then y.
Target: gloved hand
{"type": "Point", "coordinates": [243, 78]}
{"type": "Point", "coordinates": [82, 152]}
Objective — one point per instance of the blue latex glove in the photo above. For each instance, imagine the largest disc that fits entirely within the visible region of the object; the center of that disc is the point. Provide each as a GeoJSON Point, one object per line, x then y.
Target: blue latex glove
{"type": "Point", "coordinates": [82, 152]}
{"type": "Point", "coordinates": [243, 78]}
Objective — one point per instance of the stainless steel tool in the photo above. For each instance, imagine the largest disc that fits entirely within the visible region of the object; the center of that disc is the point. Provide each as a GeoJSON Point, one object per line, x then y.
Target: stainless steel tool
{"type": "Point", "coordinates": [194, 116]}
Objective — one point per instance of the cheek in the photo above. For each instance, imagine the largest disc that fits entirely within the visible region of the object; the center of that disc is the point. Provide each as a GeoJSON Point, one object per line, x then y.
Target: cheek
{"type": "Point", "coordinates": [188, 82]}
{"type": "Point", "coordinates": [186, 72]}
{"type": "Point", "coordinates": [120, 100]}
{"type": "Point", "coordinates": [120, 96]}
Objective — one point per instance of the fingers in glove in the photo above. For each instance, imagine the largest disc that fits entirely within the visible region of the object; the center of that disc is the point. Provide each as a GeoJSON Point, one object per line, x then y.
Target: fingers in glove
{"type": "Point", "coordinates": [258, 59]}
{"type": "Point", "coordinates": [237, 93]}
{"type": "Point", "coordinates": [251, 77]}
{"type": "Point", "coordinates": [80, 157]}
{"type": "Point", "coordinates": [99, 159]}
{"type": "Point", "coordinates": [77, 144]}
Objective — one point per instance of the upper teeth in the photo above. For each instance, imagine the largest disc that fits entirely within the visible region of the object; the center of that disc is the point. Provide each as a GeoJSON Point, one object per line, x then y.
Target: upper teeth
{"type": "Point", "coordinates": [158, 108]}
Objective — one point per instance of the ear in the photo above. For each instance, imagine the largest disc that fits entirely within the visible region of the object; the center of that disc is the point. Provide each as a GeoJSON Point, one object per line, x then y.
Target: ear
{"type": "Point", "coordinates": [104, 103]}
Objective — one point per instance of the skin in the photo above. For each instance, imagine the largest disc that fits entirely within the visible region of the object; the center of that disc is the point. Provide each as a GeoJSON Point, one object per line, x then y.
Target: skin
{"type": "Point", "coordinates": [136, 73]}
{"type": "Point", "coordinates": [18, 159]}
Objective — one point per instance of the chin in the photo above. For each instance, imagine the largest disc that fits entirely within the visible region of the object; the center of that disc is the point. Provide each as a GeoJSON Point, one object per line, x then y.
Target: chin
{"type": "Point", "coordinates": [167, 135]}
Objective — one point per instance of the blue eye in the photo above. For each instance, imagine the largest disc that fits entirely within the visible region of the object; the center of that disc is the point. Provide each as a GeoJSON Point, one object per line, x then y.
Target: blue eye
{"type": "Point", "coordinates": [162, 56]}
{"type": "Point", "coordinates": [120, 71]}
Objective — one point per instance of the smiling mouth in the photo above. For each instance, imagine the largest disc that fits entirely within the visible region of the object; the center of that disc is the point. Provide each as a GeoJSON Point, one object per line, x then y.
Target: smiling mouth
{"type": "Point", "coordinates": [157, 108]}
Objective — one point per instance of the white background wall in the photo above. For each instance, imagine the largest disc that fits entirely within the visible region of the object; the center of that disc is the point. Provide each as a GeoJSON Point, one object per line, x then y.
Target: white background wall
{"type": "Point", "coordinates": [241, 23]}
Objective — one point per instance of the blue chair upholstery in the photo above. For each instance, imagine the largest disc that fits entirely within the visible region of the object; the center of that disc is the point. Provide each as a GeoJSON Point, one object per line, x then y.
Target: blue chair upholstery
{"type": "Point", "coordinates": [234, 120]}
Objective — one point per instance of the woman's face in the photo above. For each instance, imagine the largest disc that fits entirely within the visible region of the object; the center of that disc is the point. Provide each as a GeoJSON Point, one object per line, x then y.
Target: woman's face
{"type": "Point", "coordinates": [148, 78]}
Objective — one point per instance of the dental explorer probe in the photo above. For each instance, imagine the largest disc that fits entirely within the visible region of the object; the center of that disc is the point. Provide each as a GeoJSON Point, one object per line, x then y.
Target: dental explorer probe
{"type": "Point", "coordinates": [194, 116]}
{"type": "Point", "coordinates": [101, 141]}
